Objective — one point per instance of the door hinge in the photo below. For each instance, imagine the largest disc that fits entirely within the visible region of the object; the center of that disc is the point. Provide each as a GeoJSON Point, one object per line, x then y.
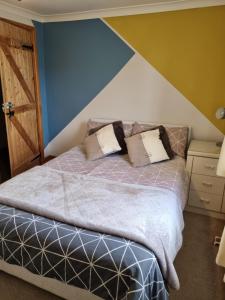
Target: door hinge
{"type": "Point", "coordinates": [28, 47]}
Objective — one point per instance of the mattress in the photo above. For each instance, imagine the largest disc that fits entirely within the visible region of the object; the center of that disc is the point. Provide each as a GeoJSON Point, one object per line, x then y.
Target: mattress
{"type": "Point", "coordinates": [108, 266]}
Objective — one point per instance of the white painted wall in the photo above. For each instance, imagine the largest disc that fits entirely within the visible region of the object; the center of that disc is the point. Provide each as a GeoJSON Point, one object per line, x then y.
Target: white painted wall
{"type": "Point", "coordinates": [137, 92]}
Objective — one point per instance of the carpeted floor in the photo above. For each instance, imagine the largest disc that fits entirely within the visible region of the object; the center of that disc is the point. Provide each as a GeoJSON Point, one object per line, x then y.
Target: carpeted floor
{"type": "Point", "coordinates": [12, 288]}
{"type": "Point", "coordinates": [200, 278]}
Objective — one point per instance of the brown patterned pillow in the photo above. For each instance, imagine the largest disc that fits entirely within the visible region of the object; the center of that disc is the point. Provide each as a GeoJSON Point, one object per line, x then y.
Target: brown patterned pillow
{"type": "Point", "coordinates": [146, 148]}
{"type": "Point", "coordinates": [127, 129]}
{"type": "Point", "coordinates": [138, 128]}
{"type": "Point", "coordinates": [178, 137]}
{"type": "Point", "coordinates": [101, 143]}
{"type": "Point", "coordinates": [93, 124]}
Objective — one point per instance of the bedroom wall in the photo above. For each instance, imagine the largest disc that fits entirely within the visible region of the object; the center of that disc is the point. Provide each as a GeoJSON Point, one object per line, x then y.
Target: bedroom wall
{"type": "Point", "coordinates": [42, 69]}
{"type": "Point", "coordinates": [187, 47]}
{"type": "Point", "coordinates": [80, 59]}
{"type": "Point", "coordinates": [160, 67]}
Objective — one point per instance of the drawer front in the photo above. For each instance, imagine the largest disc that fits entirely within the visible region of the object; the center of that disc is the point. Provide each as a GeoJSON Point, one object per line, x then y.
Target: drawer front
{"type": "Point", "coordinates": [205, 166]}
{"type": "Point", "coordinates": [205, 201]}
{"type": "Point", "coordinates": [208, 184]}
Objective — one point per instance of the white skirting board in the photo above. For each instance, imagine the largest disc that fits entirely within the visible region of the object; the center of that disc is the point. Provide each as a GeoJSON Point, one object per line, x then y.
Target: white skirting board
{"type": "Point", "coordinates": [51, 285]}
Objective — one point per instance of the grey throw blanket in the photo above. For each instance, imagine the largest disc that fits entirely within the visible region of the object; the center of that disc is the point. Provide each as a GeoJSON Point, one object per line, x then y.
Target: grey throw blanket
{"type": "Point", "coordinates": [147, 215]}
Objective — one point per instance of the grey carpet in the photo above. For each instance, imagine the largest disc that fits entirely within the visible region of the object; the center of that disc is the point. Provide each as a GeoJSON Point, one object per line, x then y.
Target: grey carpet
{"type": "Point", "coordinates": [200, 278]}
{"type": "Point", "coordinates": [12, 288]}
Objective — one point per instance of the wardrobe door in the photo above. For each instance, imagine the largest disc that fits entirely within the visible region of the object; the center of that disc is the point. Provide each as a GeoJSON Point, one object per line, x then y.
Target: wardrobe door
{"type": "Point", "coordinates": [20, 102]}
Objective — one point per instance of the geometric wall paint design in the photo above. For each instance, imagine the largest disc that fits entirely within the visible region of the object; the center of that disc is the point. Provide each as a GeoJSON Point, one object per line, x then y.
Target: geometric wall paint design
{"type": "Point", "coordinates": [80, 59]}
{"type": "Point", "coordinates": [187, 47]}
{"type": "Point", "coordinates": [137, 92]}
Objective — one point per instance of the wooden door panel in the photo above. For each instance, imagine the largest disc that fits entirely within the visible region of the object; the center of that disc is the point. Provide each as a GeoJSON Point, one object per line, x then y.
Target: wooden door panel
{"type": "Point", "coordinates": [22, 129]}
{"type": "Point", "coordinates": [18, 84]}
{"type": "Point", "coordinates": [24, 61]}
{"type": "Point", "coordinates": [20, 66]}
{"type": "Point", "coordinates": [10, 30]}
{"type": "Point", "coordinates": [21, 154]}
{"type": "Point", "coordinates": [25, 133]}
{"type": "Point", "coordinates": [25, 95]}
{"type": "Point", "coordinates": [21, 86]}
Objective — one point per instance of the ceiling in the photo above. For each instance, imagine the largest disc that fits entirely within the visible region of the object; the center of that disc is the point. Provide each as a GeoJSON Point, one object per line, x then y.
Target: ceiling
{"type": "Point", "coordinates": [44, 7]}
{"type": "Point", "coordinates": [24, 11]}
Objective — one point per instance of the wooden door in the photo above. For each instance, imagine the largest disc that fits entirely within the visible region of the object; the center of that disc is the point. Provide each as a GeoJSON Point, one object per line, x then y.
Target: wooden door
{"type": "Point", "coordinates": [18, 72]}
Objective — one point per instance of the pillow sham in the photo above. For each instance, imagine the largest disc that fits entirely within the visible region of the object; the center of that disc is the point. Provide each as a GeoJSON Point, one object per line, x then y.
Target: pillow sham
{"type": "Point", "coordinates": [93, 124]}
{"type": "Point", "coordinates": [101, 143]}
{"type": "Point", "coordinates": [178, 137]}
{"type": "Point", "coordinates": [119, 133]}
{"type": "Point", "coordinates": [146, 148]}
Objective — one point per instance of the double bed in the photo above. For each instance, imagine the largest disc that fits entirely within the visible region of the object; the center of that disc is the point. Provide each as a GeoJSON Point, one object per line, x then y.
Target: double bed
{"type": "Point", "coordinates": [86, 254]}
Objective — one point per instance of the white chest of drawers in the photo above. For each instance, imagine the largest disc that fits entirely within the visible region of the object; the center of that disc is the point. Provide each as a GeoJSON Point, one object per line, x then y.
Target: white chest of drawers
{"type": "Point", "coordinates": [206, 190]}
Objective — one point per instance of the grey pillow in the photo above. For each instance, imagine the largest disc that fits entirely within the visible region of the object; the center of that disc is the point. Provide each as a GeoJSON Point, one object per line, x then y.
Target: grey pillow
{"type": "Point", "coordinates": [178, 136]}
{"type": "Point", "coordinates": [146, 148]}
{"type": "Point", "coordinates": [101, 143]}
{"type": "Point", "coordinates": [119, 133]}
{"type": "Point", "coordinates": [93, 124]}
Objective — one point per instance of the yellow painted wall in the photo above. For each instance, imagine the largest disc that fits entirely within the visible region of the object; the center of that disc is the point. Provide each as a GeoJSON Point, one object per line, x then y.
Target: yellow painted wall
{"type": "Point", "coordinates": [187, 47]}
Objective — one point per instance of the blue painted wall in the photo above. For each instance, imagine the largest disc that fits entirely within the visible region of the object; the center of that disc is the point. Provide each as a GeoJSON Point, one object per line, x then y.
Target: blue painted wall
{"type": "Point", "coordinates": [41, 62]}
{"type": "Point", "coordinates": [80, 58]}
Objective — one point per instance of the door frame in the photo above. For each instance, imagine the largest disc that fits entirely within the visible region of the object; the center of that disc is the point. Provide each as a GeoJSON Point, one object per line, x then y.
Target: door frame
{"type": "Point", "coordinates": [36, 83]}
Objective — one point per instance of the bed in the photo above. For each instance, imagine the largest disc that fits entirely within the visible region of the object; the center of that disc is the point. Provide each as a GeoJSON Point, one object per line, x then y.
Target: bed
{"type": "Point", "coordinates": [76, 261]}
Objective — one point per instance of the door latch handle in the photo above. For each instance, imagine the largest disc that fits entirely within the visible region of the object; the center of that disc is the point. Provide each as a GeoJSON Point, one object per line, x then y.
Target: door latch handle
{"type": "Point", "coordinates": [7, 108]}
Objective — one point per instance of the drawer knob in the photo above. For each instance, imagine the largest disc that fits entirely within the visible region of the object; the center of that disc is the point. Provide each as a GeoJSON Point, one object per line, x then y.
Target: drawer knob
{"type": "Point", "coordinates": [207, 184]}
{"type": "Point", "coordinates": [204, 200]}
{"type": "Point", "coordinates": [210, 167]}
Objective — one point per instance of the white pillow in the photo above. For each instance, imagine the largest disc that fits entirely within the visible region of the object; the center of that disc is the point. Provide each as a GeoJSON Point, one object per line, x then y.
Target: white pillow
{"type": "Point", "coordinates": [154, 146]}
{"type": "Point", "coordinates": [101, 143]}
{"type": "Point", "coordinates": [145, 148]}
{"type": "Point", "coordinates": [107, 140]}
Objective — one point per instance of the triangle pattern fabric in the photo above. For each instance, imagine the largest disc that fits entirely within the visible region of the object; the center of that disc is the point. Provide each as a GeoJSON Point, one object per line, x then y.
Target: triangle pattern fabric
{"type": "Point", "coordinates": [94, 264]}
